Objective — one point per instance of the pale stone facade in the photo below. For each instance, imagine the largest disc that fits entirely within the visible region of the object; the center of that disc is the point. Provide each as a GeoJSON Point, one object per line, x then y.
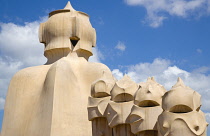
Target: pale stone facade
{"type": "Point", "coordinates": [69, 96]}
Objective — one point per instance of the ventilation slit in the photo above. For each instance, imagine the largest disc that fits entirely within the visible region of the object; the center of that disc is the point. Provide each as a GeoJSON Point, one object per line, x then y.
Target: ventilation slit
{"type": "Point", "coordinates": [74, 40]}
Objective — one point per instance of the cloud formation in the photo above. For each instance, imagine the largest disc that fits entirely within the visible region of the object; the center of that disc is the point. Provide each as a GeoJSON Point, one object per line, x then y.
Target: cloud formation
{"type": "Point", "coordinates": [19, 48]}
{"type": "Point", "coordinates": [14, 39]}
{"type": "Point", "coordinates": [97, 56]}
{"type": "Point", "coordinates": [159, 10]}
{"type": "Point", "coordinates": [120, 46]}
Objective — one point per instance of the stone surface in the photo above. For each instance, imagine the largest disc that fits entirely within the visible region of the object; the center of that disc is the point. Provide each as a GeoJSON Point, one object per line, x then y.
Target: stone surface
{"type": "Point", "coordinates": [69, 96]}
{"type": "Point", "coordinates": [124, 90]}
{"type": "Point", "coordinates": [52, 99]}
{"type": "Point", "coordinates": [181, 98]}
{"type": "Point", "coordinates": [149, 93]}
{"type": "Point", "coordinates": [144, 119]}
{"type": "Point", "coordinates": [186, 124]}
{"type": "Point", "coordinates": [182, 114]}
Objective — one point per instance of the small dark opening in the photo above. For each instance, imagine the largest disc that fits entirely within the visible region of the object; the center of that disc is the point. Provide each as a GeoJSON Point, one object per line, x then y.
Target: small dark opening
{"type": "Point", "coordinates": [148, 103]}
{"type": "Point", "coordinates": [198, 108]}
{"type": "Point", "coordinates": [196, 128]}
{"type": "Point", "coordinates": [74, 40]}
{"type": "Point", "coordinates": [180, 109]}
{"type": "Point", "coordinates": [123, 97]}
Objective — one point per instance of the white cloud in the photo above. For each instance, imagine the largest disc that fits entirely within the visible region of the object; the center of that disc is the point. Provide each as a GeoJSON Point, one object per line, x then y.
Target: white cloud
{"type": "Point", "coordinates": [159, 10]}
{"type": "Point", "coordinates": [154, 20]}
{"type": "Point", "coordinates": [166, 74]}
{"type": "Point", "coordinates": [201, 70]}
{"type": "Point", "coordinates": [97, 56]}
{"type": "Point", "coordinates": [21, 43]}
{"type": "Point", "coordinates": [120, 46]}
{"type": "Point", "coordinates": [19, 48]}
{"type": "Point", "coordinates": [117, 74]}
{"type": "Point", "coordinates": [7, 68]}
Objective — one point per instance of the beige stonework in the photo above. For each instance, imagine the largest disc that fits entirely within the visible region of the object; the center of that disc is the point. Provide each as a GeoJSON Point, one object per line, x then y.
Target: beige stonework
{"type": "Point", "coordinates": [69, 96]}
{"type": "Point", "coordinates": [144, 119]}
{"type": "Point", "coordinates": [150, 93]}
{"type": "Point", "coordinates": [52, 99]}
{"type": "Point", "coordinates": [124, 90]}
{"type": "Point", "coordinates": [132, 110]}
{"type": "Point", "coordinates": [182, 114]}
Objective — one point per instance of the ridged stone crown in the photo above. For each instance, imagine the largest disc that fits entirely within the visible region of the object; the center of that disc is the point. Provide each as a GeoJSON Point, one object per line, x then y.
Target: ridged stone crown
{"type": "Point", "coordinates": [68, 29]}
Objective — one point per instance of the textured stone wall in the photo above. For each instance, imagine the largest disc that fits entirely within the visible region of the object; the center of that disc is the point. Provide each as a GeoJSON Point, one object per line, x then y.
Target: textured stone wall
{"type": "Point", "coordinates": [124, 108]}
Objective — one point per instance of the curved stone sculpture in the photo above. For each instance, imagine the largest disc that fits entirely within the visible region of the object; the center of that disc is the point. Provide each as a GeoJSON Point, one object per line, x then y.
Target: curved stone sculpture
{"type": "Point", "coordinates": [67, 30]}
{"type": "Point", "coordinates": [181, 98]}
{"type": "Point", "coordinates": [96, 114]}
{"type": "Point", "coordinates": [102, 87]}
{"type": "Point", "coordinates": [144, 119]}
{"type": "Point", "coordinates": [145, 112]}
{"type": "Point", "coordinates": [182, 114]}
{"type": "Point", "coordinates": [187, 124]}
{"type": "Point", "coordinates": [58, 98]}
{"type": "Point", "coordinates": [149, 93]}
{"type": "Point", "coordinates": [117, 113]}
{"type": "Point", "coordinates": [100, 92]}
{"type": "Point", "coordinates": [52, 99]}
{"type": "Point", "coordinates": [124, 90]}
{"type": "Point", "coordinates": [97, 107]}
{"type": "Point", "coordinates": [112, 121]}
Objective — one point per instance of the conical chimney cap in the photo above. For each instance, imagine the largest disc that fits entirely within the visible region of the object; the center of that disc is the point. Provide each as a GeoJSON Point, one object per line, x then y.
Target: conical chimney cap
{"type": "Point", "coordinates": [69, 6]}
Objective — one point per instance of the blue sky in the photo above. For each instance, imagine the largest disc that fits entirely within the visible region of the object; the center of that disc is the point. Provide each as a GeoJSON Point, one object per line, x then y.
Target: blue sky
{"type": "Point", "coordinates": [166, 39]}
